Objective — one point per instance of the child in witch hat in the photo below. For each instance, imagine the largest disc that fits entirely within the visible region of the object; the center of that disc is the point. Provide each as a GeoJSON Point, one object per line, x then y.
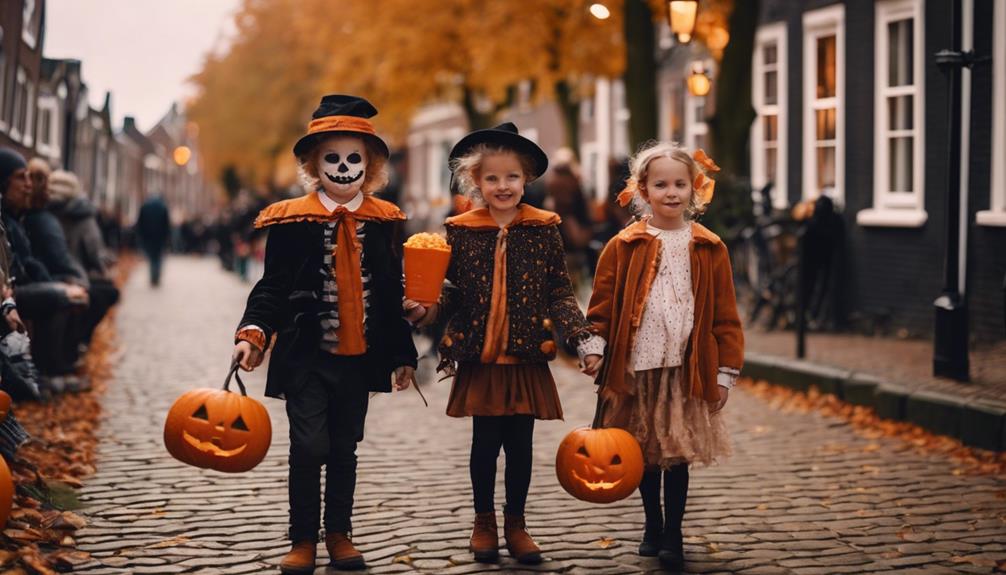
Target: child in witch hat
{"type": "Point", "coordinates": [332, 295]}
{"type": "Point", "coordinates": [664, 299]}
{"type": "Point", "coordinates": [510, 287]}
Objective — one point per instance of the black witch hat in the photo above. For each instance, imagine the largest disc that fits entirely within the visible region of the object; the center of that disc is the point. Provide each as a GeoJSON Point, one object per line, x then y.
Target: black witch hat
{"type": "Point", "coordinates": [504, 135]}
{"type": "Point", "coordinates": [340, 114]}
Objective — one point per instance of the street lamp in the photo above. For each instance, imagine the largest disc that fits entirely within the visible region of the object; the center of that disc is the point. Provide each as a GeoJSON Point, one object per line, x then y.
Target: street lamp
{"type": "Point", "coordinates": [699, 82]}
{"type": "Point", "coordinates": [182, 155]}
{"type": "Point", "coordinates": [950, 337]}
{"type": "Point", "coordinates": [681, 16]}
{"type": "Point", "coordinates": [599, 11]}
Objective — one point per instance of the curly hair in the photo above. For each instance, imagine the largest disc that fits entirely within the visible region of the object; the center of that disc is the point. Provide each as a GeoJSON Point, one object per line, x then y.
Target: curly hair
{"type": "Point", "coordinates": [377, 167]}
{"type": "Point", "coordinates": [639, 171]}
{"type": "Point", "coordinates": [465, 168]}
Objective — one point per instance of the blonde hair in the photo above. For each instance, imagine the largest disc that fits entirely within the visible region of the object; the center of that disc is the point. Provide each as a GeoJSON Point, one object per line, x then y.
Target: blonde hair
{"type": "Point", "coordinates": [377, 167]}
{"type": "Point", "coordinates": [639, 171]}
{"type": "Point", "coordinates": [465, 168]}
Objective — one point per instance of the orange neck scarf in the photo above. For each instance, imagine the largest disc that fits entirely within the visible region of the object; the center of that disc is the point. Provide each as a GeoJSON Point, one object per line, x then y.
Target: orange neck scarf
{"type": "Point", "coordinates": [349, 283]}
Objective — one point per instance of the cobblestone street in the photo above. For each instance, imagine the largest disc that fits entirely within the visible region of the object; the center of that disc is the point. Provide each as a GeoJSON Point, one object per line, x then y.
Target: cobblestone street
{"type": "Point", "coordinates": [802, 494]}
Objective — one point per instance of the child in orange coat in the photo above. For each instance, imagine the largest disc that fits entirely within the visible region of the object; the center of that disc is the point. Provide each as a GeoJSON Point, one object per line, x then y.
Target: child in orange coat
{"type": "Point", "coordinates": [664, 300]}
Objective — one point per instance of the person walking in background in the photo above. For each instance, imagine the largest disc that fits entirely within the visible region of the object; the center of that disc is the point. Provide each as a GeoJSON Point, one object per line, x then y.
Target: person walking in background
{"type": "Point", "coordinates": [498, 347]}
{"type": "Point", "coordinates": [153, 228]}
{"type": "Point", "coordinates": [675, 344]}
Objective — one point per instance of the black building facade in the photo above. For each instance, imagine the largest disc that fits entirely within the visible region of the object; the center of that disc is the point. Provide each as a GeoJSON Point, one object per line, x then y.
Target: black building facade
{"type": "Point", "coordinates": [852, 105]}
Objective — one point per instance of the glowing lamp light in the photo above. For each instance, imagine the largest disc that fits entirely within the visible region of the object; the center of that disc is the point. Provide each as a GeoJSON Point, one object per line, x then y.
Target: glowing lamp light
{"type": "Point", "coordinates": [600, 11]}
{"type": "Point", "coordinates": [182, 155]}
{"type": "Point", "coordinates": [699, 82]}
{"type": "Point", "coordinates": [681, 16]}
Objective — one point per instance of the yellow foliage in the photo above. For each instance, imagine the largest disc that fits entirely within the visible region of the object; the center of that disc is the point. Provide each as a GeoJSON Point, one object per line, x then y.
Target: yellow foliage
{"type": "Point", "coordinates": [254, 100]}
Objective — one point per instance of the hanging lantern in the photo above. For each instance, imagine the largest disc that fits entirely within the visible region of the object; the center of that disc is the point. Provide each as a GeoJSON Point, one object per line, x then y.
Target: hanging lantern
{"type": "Point", "coordinates": [681, 16]}
{"type": "Point", "coordinates": [699, 82]}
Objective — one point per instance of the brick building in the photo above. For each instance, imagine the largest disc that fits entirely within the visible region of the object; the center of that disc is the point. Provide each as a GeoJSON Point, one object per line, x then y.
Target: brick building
{"type": "Point", "coordinates": [852, 105]}
{"type": "Point", "coordinates": [22, 31]}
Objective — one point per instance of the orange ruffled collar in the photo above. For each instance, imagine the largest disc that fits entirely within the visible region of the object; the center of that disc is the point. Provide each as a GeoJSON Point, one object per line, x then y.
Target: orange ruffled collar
{"type": "Point", "coordinates": [309, 208]}
{"type": "Point", "coordinates": [526, 216]}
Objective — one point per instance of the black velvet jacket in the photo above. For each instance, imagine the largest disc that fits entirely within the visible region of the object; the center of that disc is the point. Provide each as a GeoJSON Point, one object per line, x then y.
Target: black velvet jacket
{"type": "Point", "coordinates": [538, 289]}
{"type": "Point", "coordinates": [286, 301]}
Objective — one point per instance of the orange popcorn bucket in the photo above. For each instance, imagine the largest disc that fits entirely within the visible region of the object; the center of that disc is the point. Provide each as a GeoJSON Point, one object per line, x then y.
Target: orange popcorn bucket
{"type": "Point", "coordinates": [426, 259]}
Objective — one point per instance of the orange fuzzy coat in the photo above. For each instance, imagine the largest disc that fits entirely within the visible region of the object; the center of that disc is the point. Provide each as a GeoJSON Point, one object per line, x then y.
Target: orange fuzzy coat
{"type": "Point", "coordinates": [625, 272]}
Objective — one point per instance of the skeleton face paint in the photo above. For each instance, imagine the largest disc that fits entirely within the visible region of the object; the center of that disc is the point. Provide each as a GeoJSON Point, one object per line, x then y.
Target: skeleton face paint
{"type": "Point", "coordinates": [342, 166]}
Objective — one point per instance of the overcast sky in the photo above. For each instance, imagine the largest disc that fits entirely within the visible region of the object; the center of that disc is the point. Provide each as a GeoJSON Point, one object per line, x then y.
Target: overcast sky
{"type": "Point", "coordinates": [141, 50]}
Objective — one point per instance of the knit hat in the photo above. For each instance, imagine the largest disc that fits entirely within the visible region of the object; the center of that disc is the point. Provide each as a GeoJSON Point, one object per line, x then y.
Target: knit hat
{"type": "Point", "coordinates": [64, 186]}
{"type": "Point", "coordinates": [10, 162]}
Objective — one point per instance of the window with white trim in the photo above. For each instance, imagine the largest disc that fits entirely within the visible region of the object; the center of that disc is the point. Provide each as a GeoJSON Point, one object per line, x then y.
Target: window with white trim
{"type": "Point", "coordinates": [31, 18]}
{"type": "Point", "coordinates": [768, 95]}
{"type": "Point", "coordinates": [898, 177]}
{"type": "Point", "coordinates": [20, 107]}
{"type": "Point", "coordinates": [824, 103]}
{"type": "Point", "coordinates": [48, 127]}
{"type": "Point", "coordinates": [996, 216]}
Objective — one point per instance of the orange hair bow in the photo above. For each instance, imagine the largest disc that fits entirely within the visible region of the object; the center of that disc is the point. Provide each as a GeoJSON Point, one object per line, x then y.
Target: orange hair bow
{"type": "Point", "coordinates": [704, 188]}
{"type": "Point", "coordinates": [705, 161]}
{"type": "Point", "coordinates": [624, 197]}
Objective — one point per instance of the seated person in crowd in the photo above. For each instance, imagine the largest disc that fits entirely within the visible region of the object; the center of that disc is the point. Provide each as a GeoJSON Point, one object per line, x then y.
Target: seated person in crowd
{"type": "Point", "coordinates": [45, 303]}
{"type": "Point", "coordinates": [77, 215]}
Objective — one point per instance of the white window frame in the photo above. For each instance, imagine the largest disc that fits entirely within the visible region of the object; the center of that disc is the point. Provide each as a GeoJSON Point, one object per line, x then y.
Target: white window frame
{"type": "Point", "coordinates": [996, 216]}
{"type": "Point", "coordinates": [29, 114]}
{"type": "Point", "coordinates": [29, 30]}
{"type": "Point", "coordinates": [898, 209]}
{"type": "Point", "coordinates": [49, 103]}
{"type": "Point", "coordinates": [20, 80]}
{"type": "Point", "coordinates": [816, 24]}
{"type": "Point", "coordinates": [770, 34]}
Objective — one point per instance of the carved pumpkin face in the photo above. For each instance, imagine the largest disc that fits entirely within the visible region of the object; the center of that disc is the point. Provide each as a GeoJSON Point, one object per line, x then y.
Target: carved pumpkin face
{"type": "Point", "coordinates": [6, 492]}
{"type": "Point", "coordinates": [218, 429]}
{"type": "Point", "coordinates": [599, 465]}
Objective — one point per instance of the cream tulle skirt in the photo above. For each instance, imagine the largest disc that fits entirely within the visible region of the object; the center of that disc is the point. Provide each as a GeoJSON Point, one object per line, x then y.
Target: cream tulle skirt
{"type": "Point", "coordinates": [671, 426]}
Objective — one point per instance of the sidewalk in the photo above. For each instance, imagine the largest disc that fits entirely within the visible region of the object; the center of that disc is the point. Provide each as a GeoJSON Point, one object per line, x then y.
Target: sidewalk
{"type": "Point", "coordinates": [893, 376]}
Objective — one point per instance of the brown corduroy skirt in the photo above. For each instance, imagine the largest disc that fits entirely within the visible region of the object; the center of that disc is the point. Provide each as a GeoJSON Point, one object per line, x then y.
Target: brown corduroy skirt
{"type": "Point", "coordinates": [502, 389]}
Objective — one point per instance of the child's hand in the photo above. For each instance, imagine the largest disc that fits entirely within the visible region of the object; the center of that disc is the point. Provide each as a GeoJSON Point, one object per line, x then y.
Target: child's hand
{"type": "Point", "coordinates": [592, 364]}
{"type": "Point", "coordinates": [724, 395]}
{"type": "Point", "coordinates": [418, 314]}
{"type": "Point", "coordinates": [404, 375]}
{"type": "Point", "coordinates": [247, 355]}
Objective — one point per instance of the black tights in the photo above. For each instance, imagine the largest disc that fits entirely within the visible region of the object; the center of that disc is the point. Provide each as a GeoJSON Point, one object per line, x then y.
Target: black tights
{"type": "Point", "coordinates": [675, 495]}
{"type": "Point", "coordinates": [513, 433]}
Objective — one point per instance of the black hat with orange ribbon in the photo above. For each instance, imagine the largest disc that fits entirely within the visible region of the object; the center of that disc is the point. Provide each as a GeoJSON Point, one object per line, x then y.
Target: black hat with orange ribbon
{"type": "Point", "coordinates": [340, 114]}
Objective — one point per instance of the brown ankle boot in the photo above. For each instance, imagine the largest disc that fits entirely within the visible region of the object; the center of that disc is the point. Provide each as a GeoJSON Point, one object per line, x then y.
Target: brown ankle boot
{"type": "Point", "coordinates": [342, 553]}
{"type": "Point", "coordinates": [485, 541]}
{"type": "Point", "coordinates": [300, 559]}
{"type": "Point", "coordinates": [518, 541]}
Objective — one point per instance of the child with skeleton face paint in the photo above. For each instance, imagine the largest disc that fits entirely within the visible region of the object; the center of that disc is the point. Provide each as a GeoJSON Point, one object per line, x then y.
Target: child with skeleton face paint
{"type": "Point", "coordinates": [330, 301]}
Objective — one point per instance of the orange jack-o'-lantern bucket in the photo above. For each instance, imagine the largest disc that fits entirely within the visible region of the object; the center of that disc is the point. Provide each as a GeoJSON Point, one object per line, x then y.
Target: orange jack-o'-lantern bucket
{"type": "Point", "coordinates": [598, 464]}
{"type": "Point", "coordinates": [426, 259]}
{"type": "Point", "coordinates": [218, 429]}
